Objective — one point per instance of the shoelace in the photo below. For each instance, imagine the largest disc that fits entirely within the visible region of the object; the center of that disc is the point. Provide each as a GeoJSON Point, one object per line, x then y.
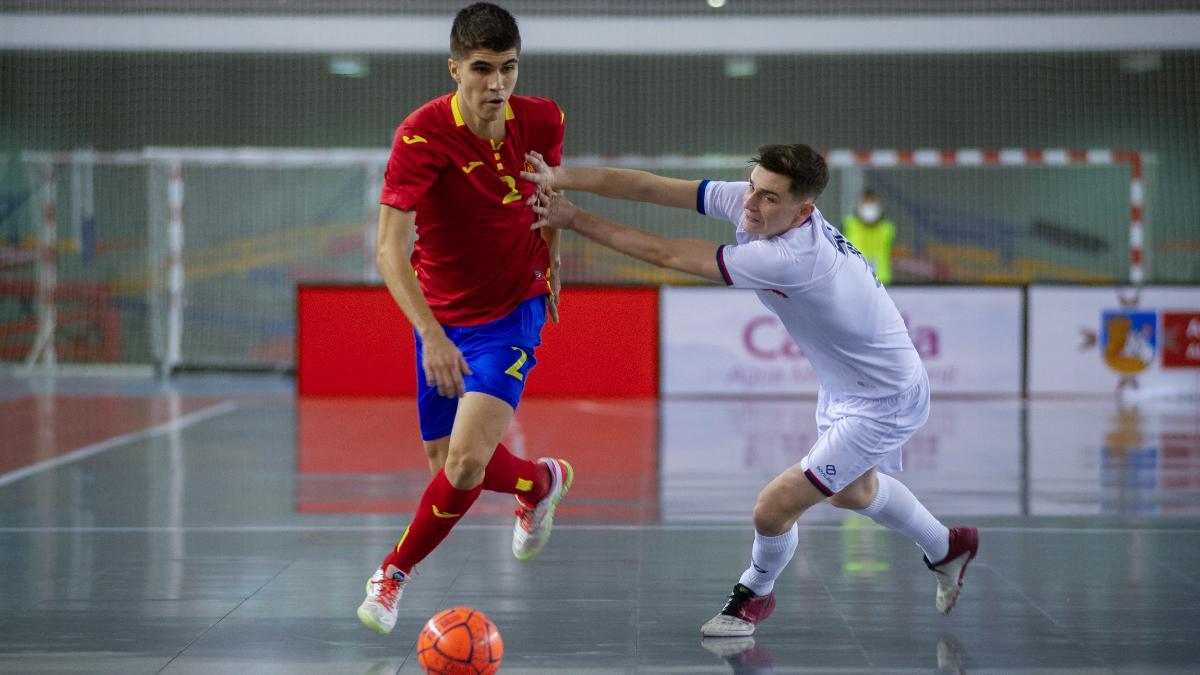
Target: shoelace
{"type": "Point", "coordinates": [387, 590]}
{"type": "Point", "coordinates": [526, 514]}
{"type": "Point", "coordinates": [734, 604]}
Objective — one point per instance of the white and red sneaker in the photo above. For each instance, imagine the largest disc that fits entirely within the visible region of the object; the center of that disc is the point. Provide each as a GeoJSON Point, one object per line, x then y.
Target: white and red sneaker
{"type": "Point", "coordinates": [378, 612]}
{"type": "Point", "coordinates": [742, 612]}
{"type": "Point", "coordinates": [532, 529]}
{"type": "Point", "coordinates": [949, 572]}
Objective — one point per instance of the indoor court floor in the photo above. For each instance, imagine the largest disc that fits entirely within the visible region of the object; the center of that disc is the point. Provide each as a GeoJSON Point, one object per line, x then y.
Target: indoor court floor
{"type": "Point", "coordinates": [218, 524]}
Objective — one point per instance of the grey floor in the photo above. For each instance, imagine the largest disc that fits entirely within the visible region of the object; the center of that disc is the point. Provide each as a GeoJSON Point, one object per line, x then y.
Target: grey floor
{"type": "Point", "coordinates": [215, 524]}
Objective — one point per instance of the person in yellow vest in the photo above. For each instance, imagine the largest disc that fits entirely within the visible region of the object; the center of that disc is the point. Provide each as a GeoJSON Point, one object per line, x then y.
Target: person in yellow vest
{"type": "Point", "coordinates": [872, 234]}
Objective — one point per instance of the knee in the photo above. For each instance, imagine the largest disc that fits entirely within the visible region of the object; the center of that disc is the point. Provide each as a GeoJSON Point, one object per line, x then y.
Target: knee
{"type": "Point", "coordinates": [435, 453]}
{"type": "Point", "coordinates": [464, 470]}
{"type": "Point", "coordinates": [770, 519]}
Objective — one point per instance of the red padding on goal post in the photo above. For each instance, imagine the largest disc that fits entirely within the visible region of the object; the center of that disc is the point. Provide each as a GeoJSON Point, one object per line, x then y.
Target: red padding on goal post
{"type": "Point", "coordinates": [354, 341]}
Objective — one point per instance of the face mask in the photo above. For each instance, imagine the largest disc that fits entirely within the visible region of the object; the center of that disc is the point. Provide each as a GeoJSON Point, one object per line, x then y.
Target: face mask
{"type": "Point", "coordinates": [869, 212]}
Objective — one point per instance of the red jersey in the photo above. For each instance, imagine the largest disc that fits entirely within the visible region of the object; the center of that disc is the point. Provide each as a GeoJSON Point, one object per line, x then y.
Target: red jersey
{"type": "Point", "coordinates": [475, 256]}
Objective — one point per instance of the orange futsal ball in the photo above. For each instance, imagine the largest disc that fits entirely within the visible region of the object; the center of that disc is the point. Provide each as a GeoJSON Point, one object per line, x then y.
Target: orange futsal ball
{"type": "Point", "coordinates": [460, 641]}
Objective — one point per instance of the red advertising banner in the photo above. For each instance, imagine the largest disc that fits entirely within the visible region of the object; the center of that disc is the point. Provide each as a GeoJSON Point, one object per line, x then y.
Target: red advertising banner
{"type": "Point", "coordinates": [1181, 340]}
{"type": "Point", "coordinates": [354, 341]}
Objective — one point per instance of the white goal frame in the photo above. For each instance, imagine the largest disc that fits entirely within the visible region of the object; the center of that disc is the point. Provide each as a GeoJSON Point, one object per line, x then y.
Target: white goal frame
{"type": "Point", "coordinates": [169, 327]}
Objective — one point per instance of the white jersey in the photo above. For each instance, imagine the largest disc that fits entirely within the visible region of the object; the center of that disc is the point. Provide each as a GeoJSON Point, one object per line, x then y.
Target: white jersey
{"type": "Point", "coordinates": [826, 295]}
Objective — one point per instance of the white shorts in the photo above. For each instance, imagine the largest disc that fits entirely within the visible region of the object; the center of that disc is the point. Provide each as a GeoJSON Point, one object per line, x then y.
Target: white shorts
{"type": "Point", "coordinates": [855, 434]}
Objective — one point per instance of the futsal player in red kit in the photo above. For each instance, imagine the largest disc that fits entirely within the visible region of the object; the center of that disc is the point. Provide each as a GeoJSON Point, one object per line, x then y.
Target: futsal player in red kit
{"type": "Point", "coordinates": [477, 288]}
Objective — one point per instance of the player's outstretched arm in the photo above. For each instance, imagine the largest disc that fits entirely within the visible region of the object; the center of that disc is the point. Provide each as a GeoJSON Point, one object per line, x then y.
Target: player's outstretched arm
{"type": "Point", "coordinates": [443, 363]}
{"type": "Point", "coordinates": [628, 184]}
{"type": "Point", "coordinates": [692, 256]}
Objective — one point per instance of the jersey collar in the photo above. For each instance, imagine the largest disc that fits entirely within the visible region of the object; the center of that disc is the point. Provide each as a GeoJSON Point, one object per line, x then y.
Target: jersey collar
{"type": "Point", "coordinates": [458, 119]}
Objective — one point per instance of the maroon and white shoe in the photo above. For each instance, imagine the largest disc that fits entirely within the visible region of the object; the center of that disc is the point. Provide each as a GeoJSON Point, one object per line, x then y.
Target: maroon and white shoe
{"type": "Point", "coordinates": [742, 612]}
{"type": "Point", "coordinates": [949, 572]}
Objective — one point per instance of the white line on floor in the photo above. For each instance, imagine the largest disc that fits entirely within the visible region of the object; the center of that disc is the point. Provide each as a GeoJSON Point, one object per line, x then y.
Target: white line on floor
{"type": "Point", "coordinates": [620, 528]}
{"type": "Point", "coordinates": [96, 448]}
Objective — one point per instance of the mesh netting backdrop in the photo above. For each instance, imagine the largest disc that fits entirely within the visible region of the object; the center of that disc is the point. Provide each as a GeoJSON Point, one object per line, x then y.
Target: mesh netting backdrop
{"type": "Point", "coordinates": [251, 233]}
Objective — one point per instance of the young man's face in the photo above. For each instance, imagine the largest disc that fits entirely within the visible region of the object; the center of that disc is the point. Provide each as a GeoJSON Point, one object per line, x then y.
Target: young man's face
{"type": "Point", "coordinates": [769, 206]}
{"type": "Point", "coordinates": [485, 81]}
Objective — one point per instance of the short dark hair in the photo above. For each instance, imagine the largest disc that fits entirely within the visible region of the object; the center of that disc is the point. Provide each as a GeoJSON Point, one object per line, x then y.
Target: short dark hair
{"type": "Point", "coordinates": [804, 166]}
{"type": "Point", "coordinates": [483, 26]}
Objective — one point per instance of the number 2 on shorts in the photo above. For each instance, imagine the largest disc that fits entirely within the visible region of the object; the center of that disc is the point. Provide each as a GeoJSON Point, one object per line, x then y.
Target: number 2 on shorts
{"type": "Point", "coordinates": [515, 368]}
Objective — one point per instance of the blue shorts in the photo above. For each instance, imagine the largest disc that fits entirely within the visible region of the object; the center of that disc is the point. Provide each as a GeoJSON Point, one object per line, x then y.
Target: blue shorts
{"type": "Point", "coordinates": [500, 355]}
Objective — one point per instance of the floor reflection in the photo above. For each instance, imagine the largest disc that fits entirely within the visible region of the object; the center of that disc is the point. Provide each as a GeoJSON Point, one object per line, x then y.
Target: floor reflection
{"type": "Point", "coordinates": [695, 460]}
{"type": "Point", "coordinates": [364, 456]}
{"type": "Point", "coordinates": [237, 540]}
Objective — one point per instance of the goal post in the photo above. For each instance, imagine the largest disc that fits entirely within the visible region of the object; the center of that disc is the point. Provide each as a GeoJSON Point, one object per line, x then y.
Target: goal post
{"type": "Point", "coordinates": [188, 257]}
{"type": "Point", "coordinates": [1020, 157]}
{"type": "Point", "coordinates": [194, 251]}
{"type": "Point", "coordinates": [1122, 182]}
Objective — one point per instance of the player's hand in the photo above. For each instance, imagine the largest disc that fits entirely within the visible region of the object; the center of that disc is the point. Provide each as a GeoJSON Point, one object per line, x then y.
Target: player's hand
{"type": "Point", "coordinates": [444, 365]}
{"type": "Point", "coordinates": [553, 210]}
{"type": "Point", "coordinates": [540, 197]}
{"type": "Point", "coordinates": [555, 289]}
{"type": "Point", "coordinates": [542, 174]}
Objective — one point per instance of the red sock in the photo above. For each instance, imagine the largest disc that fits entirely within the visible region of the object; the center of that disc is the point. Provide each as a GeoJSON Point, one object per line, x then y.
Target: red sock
{"type": "Point", "coordinates": [512, 475]}
{"type": "Point", "coordinates": [442, 506]}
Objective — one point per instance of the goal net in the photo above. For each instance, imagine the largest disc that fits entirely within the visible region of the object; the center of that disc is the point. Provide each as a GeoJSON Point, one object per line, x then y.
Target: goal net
{"type": "Point", "coordinates": [181, 258]}
{"type": "Point", "coordinates": [962, 216]}
{"type": "Point", "coordinates": [190, 257]}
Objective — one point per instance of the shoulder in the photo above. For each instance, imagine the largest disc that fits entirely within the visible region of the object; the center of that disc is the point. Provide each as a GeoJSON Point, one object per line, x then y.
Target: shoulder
{"type": "Point", "coordinates": [537, 110]}
{"type": "Point", "coordinates": [737, 186]}
{"type": "Point", "coordinates": [779, 251]}
{"type": "Point", "coordinates": [424, 128]}
{"type": "Point", "coordinates": [762, 263]}
{"type": "Point", "coordinates": [434, 114]}
{"type": "Point", "coordinates": [721, 199]}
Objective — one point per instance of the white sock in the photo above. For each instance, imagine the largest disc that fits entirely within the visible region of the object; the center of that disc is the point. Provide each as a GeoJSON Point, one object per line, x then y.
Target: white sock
{"type": "Point", "coordinates": [768, 557]}
{"type": "Point", "coordinates": [896, 508]}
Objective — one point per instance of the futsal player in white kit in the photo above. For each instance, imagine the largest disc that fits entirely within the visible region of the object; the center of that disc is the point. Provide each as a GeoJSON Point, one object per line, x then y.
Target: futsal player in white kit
{"type": "Point", "coordinates": [874, 390]}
